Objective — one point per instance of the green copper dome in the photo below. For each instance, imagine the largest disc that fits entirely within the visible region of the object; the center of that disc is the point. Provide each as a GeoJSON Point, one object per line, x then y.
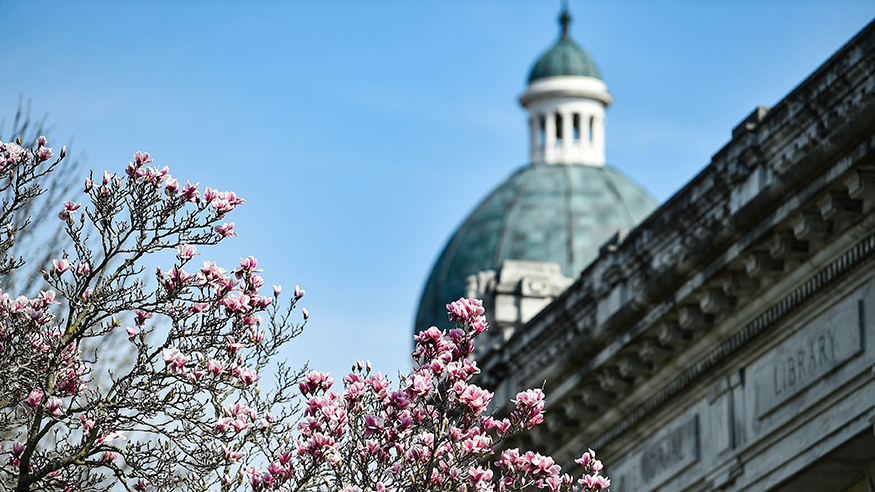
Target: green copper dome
{"type": "Point", "coordinates": [559, 213]}
{"type": "Point", "coordinates": [565, 58]}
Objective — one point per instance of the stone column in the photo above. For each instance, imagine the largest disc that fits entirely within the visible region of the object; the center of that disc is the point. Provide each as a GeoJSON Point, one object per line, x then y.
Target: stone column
{"type": "Point", "coordinates": [535, 127]}
{"type": "Point", "coordinates": [598, 139]}
{"type": "Point", "coordinates": [550, 138]}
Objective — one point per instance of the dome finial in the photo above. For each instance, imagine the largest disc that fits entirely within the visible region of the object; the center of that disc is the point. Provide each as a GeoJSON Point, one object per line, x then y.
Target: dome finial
{"type": "Point", "coordinates": [565, 18]}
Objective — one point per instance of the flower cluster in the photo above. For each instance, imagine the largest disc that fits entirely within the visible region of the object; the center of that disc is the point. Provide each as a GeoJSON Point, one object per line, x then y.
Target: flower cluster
{"type": "Point", "coordinates": [189, 391]}
{"type": "Point", "coordinates": [432, 432]}
{"type": "Point", "coordinates": [185, 409]}
{"type": "Point", "coordinates": [13, 154]}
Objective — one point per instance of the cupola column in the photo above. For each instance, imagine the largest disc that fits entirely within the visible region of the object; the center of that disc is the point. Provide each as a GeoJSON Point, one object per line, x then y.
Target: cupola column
{"type": "Point", "coordinates": [550, 138]}
{"type": "Point", "coordinates": [598, 136]}
{"type": "Point", "coordinates": [535, 137]}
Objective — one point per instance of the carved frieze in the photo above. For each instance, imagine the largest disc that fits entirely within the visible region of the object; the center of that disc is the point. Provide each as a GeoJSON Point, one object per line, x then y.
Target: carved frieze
{"type": "Point", "coordinates": [825, 343]}
{"type": "Point", "coordinates": [660, 458]}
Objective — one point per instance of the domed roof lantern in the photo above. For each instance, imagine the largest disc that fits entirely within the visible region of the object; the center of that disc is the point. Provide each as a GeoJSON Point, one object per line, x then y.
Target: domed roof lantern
{"type": "Point", "coordinates": [566, 98]}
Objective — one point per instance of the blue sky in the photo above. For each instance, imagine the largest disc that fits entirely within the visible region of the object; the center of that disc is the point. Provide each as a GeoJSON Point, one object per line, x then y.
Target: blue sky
{"type": "Point", "coordinates": [362, 133]}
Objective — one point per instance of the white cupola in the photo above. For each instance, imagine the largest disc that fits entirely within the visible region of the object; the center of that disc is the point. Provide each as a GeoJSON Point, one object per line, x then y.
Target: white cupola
{"type": "Point", "coordinates": [566, 100]}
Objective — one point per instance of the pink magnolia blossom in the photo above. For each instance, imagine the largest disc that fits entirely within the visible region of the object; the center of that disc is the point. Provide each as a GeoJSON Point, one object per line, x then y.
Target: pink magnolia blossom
{"type": "Point", "coordinates": [210, 194]}
{"type": "Point", "coordinates": [465, 310]}
{"type": "Point", "coordinates": [236, 304]}
{"type": "Point", "coordinates": [186, 251]}
{"type": "Point", "coordinates": [171, 186]}
{"type": "Point", "coordinates": [142, 158]}
{"type": "Point", "coordinates": [141, 316]}
{"type": "Point", "coordinates": [176, 277]}
{"type": "Point", "coordinates": [223, 423]}
{"type": "Point", "coordinates": [595, 482]}
{"type": "Point", "coordinates": [61, 265]}
{"type": "Point", "coordinates": [153, 176]}
{"type": "Point", "coordinates": [477, 444]}
{"type": "Point", "coordinates": [247, 265]}
{"type": "Point", "coordinates": [198, 307]}
{"type": "Point", "coordinates": [44, 153]}
{"type": "Point", "coordinates": [141, 485]}
{"type": "Point", "coordinates": [34, 398]}
{"type": "Point", "coordinates": [239, 425]}
{"type": "Point", "coordinates": [586, 458]}
{"type": "Point", "coordinates": [248, 376]}
{"type": "Point", "coordinates": [215, 367]}
{"type": "Point", "coordinates": [86, 422]}
{"type": "Point", "coordinates": [315, 381]}
{"type": "Point", "coordinates": [233, 345]}
{"type": "Point", "coordinates": [190, 193]}
{"type": "Point", "coordinates": [239, 409]}
{"type": "Point", "coordinates": [233, 456]}
{"type": "Point", "coordinates": [174, 359]}
{"type": "Point", "coordinates": [53, 406]}
{"type": "Point", "coordinates": [47, 297]}
{"type": "Point", "coordinates": [111, 436]}
{"type": "Point", "coordinates": [277, 289]}
{"type": "Point", "coordinates": [226, 230]}
{"type": "Point", "coordinates": [255, 335]}
{"type": "Point", "coordinates": [421, 383]}
{"type": "Point", "coordinates": [69, 208]}
{"type": "Point", "coordinates": [256, 282]}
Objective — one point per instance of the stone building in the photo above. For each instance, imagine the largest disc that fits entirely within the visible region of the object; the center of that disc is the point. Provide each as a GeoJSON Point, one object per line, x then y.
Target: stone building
{"type": "Point", "coordinates": [725, 342]}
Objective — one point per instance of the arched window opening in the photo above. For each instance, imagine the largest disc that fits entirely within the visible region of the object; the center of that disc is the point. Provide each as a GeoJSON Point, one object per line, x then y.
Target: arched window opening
{"type": "Point", "coordinates": [576, 121]}
{"type": "Point", "coordinates": [558, 127]}
{"type": "Point", "coordinates": [591, 125]}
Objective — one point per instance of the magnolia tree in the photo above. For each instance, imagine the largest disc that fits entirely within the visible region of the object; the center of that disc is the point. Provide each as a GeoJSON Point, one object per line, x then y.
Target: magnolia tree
{"type": "Point", "coordinates": [41, 240]}
{"type": "Point", "coordinates": [204, 404]}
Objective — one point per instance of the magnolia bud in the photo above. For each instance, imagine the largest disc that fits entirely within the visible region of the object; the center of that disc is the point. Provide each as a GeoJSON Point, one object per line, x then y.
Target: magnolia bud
{"type": "Point", "coordinates": [63, 152]}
